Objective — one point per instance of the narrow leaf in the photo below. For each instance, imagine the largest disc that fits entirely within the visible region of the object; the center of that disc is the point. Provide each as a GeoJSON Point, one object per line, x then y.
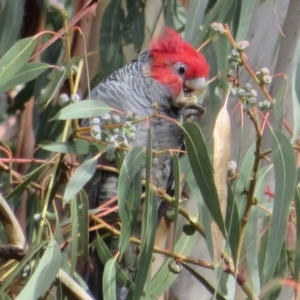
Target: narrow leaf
{"type": "Point", "coordinates": [76, 146]}
{"type": "Point", "coordinates": [109, 280]}
{"type": "Point", "coordinates": [243, 180]}
{"type": "Point", "coordinates": [164, 277]}
{"type": "Point", "coordinates": [83, 221]}
{"type": "Point", "coordinates": [221, 156]}
{"type": "Point", "coordinates": [30, 177]}
{"type": "Point", "coordinates": [74, 233]}
{"type": "Point", "coordinates": [129, 194]}
{"type": "Point", "coordinates": [201, 167]}
{"type": "Point", "coordinates": [44, 274]}
{"type": "Point", "coordinates": [296, 91]}
{"type": "Point", "coordinates": [21, 265]}
{"type": "Point", "coordinates": [26, 73]}
{"type": "Point", "coordinates": [194, 20]}
{"type": "Point", "coordinates": [80, 177]}
{"type": "Point", "coordinates": [83, 109]}
{"type": "Point", "coordinates": [297, 253]}
{"type": "Point", "coordinates": [105, 255]}
{"type": "Point", "coordinates": [285, 180]}
{"type": "Point", "coordinates": [251, 235]}
{"type": "Point", "coordinates": [176, 174]}
{"type": "Point", "coordinates": [149, 225]}
{"type": "Point", "coordinates": [232, 222]}
{"type": "Point", "coordinates": [15, 58]}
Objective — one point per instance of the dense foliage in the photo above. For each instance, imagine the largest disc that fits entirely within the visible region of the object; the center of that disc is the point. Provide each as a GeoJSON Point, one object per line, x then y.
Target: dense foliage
{"type": "Point", "coordinates": [239, 170]}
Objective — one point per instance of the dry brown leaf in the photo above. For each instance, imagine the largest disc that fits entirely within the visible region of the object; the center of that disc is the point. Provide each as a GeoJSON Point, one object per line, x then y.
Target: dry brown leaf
{"type": "Point", "coordinates": [11, 225]}
{"type": "Point", "coordinates": [221, 154]}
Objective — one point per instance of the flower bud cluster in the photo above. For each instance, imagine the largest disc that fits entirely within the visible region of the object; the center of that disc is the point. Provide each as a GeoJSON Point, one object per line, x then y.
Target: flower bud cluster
{"type": "Point", "coordinates": [234, 57]}
{"type": "Point", "coordinates": [247, 94]}
{"type": "Point", "coordinates": [64, 99]}
{"type": "Point", "coordinates": [217, 27]}
{"type": "Point", "coordinates": [266, 105]}
{"type": "Point", "coordinates": [242, 45]}
{"type": "Point", "coordinates": [116, 136]}
{"type": "Point", "coordinates": [264, 76]}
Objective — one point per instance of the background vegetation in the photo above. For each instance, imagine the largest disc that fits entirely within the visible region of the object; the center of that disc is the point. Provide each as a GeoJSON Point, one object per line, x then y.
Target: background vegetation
{"type": "Point", "coordinates": [239, 239]}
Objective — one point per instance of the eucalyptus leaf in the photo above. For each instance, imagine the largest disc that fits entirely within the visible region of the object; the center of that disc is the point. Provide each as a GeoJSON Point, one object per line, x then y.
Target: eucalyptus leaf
{"type": "Point", "coordinates": [26, 73]}
{"type": "Point", "coordinates": [129, 194]}
{"type": "Point", "coordinates": [77, 146]}
{"type": "Point", "coordinates": [44, 274]}
{"type": "Point", "coordinates": [109, 280]}
{"type": "Point", "coordinates": [202, 170]}
{"type": "Point", "coordinates": [15, 58]}
{"type": "Point", "coordinates": [285, 180]}
{"type": "Point", "coordinates": [83, 109]}
{"type": "Point", "coordinates": [149, 225]}
{"type": "Point", "coordinates": [80, 177]}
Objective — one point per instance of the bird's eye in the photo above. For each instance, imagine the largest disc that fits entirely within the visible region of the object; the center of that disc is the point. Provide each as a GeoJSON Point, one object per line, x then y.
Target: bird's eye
{"type": "Point", "coordinates": [181, 70]}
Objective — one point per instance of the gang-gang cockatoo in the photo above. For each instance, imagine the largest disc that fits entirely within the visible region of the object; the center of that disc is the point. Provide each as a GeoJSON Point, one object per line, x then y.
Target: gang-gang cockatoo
{"type": "Point", "coordinates": [161, 80]}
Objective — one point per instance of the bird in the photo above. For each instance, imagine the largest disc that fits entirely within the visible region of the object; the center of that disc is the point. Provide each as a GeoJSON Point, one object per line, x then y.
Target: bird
{"type": "Point", "coordinates": [162, 80]}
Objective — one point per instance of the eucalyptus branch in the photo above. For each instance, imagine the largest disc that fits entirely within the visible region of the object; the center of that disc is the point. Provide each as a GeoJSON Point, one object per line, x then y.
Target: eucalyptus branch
{"type": "Point", "coordinates": [250, 192]}
{"type": "Point", "coordinates": [179, 257]}
{"type": "Point", "coordinates": [164, 196]}
{"type": "Point", "coordinates": [182, 258]}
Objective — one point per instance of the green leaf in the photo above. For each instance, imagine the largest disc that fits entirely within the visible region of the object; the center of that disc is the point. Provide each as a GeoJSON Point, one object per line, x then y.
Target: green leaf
{"type": "Point", "coordinates": [297, 253]}
{"type": "Point", "coordinates": [176, 174]}
{"type": "Point", "coordinates": [285, 180]}
{"type": "Point", "coordinates": [15, 58]}
{"type": "Point", "coordinates": [105, 255]}
{"type": "Point", "coordinates": [55, 80]}
{"type": "Point", "coordinates": [195, 15]}
{"type": "Point", "coordinates": [280, 272]}
{"type": "Point", "coordinates": [44, 274]}
{"type": "Point", "coordinates": [135, 23]}
{"type": "Point", "coordinates": [83, 109]}
{"type": "Point", "coordinates": [111, 52]}
{"type": "Point", "coordinates": [243, 180]}
{"type": "Point", "coordinates": [77, 146]}
{"type": "Point", "coordinates": [4, 297]}
{"type": "Point", "coordinates": [26, 73]}
{"type": "Point", "coordinates": [10, 23]}
{"type": "Point", "coordinates": [80, 177]}
{"type": "Point", "coordinates": [164, 277]}
{"type": "Point", "coordinates": [74, 233]}
{"type": "Point", "coordinates": [203, 281]}
{"type": "Point", "coordinates": [245, 17]}
{"type": "Point", "coordinates": [30, 177]}
{"type": "Point", "coordinates": [263, 246]}
{"type": "Point", "coordinates": [129, 194]}
{"type": "Point", "coordinates": [21, 265]}
{"type": "Point", "coordinates": [83, 221]}
{"type": "Point", "coordinates": [279, 109]}
{"type": "Point", "coordinates": [296, 91]}
{"type": "Point", "coordinates": [233, 226]}
{"type": "Point", "coordinates": [109, 280]}
{"type": "Point", "coordinates": [251, 235]}
{"type": "Point", "coordinates": [149, 225]}
{"type": "Point", "coordinates": [202, 169]}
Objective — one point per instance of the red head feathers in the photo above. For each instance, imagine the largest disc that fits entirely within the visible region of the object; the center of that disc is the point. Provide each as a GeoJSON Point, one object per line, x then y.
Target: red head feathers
{"type": "Point", "coordinates": [171, 49]}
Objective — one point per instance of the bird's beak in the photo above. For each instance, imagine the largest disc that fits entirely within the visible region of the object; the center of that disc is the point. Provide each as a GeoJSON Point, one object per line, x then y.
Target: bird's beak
{"type": "Point", "coordinates": [195, 85]}
{"type": "Point", "coordinates": [191, 88]}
